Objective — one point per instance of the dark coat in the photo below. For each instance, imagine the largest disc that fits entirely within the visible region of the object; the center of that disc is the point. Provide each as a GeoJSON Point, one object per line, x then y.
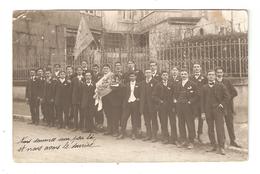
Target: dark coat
{"type": "Point", "coordinates": [86, 95]}
{"type": "Point", "coordinates": [220, 93]}
{"type": "Point", "coordinates": [96, 77]}
{"type": "Point", "coordinates": [157, 77]}
{"type": "Point", "coordinates": [232, 93]}
{"type": "Point", "coordinates": [49, 91]}
{"type": "Point", "coordinates": [115, 97]}
{"type": "Point", "coordinates": [163, 94]}
{"type": "Point", "coordinates": [191, 92]}
{"type": "Point", "coordinates": [75, 90]}
{"type": "Point", "coordinates": [31, 91]}
{"type": "Point", "coordinates": [147, 95]}
{"type": "Point", "coordinates": [61, 97]}
{"type": "Point", "coordinates": [139, 76]}
{"type": "Point", "coordinates": [200, 81]}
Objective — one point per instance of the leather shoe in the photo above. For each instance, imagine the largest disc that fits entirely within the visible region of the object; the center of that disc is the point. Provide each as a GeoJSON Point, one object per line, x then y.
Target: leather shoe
{"type": "Point", "coordinates": [221, 151]}
{"type": "Point", "coordinates": [147, 139]}
{"type": "Point", "coordinates": [234, 144]}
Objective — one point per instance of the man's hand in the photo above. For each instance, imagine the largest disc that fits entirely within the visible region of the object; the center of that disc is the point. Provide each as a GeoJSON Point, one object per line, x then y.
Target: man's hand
{"type": "Point", "coordinates": [52, 100]}
{"type": "Point", "coordinates": [161, 101]}
{"type": "Point", "coordinates": [189, 102]}
{"type": "Point", "coordinates": [27, 100]}
{"type": "Point", "coordinates": [203, 116]}
{"type": "Point", "coordinates": [174, 101]}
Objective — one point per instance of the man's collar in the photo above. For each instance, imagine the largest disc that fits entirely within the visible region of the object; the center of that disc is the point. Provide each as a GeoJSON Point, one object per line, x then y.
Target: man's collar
{"type": "Point", "coordinates": [148, 79]}
{"type": "Point", "coordinates": [219, 79]}
{"type": "Point", "coordinates": [185, 81]}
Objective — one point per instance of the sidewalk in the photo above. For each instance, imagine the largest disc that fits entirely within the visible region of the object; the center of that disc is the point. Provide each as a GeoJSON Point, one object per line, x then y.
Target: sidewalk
{"type": "Point", "coordinates": [21, 112]}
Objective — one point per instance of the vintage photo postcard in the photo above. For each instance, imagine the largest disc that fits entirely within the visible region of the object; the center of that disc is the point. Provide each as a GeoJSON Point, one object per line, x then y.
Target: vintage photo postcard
{"type": "Point", "coordinates": [133, 85]}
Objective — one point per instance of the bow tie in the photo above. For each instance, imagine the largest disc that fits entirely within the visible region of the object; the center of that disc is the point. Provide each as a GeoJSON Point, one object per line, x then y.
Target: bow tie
{"type": "Point", "coordinates": [211, 83]}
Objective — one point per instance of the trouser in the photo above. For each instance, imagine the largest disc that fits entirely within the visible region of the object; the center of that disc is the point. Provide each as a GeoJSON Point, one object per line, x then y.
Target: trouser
{"type": "Point", "coordinates": [49, 112]}
{"type": "Point", "coordinates": [173, 125]}
{"type": "Point", "coordinates": [215, 117]}
{"type": "Point", "coordinates": [164, 113]}
{"type": "Point", "coordinates": [62, 115]}
{"type": "Point", "coordinates": [34, 109]}
{"type": "Point", "coordinates": [99, 116]}
{"type": "Point", "coordinates": [76, 113]}
{"type": "Point", "coordinates": [185, 117]}
{"type": "Point", "coordinates": [87, 119]}
{"type": "Point", "coordinates": [151, 122]}
{"type": "Point", "coordinates": [133, 110]}
{"type": "Point", "coordinates": [229, 119]}
{"type": "Point", "coordinates": [44, 110]}
{"type": "Point", "coordinates": [197, 113]}
{"type": "Point", "coordinates": [113, 115]}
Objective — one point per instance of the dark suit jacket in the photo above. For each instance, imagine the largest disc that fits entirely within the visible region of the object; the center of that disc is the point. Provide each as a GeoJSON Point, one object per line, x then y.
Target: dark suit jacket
{"type": "Point", "coordinates": [40, 85]}
{"type": "Point", "coordinates": [220, 93]}
{"type": "Point", "coordinates": [31, 91]}
{"type": "Point", "coordinates": [175, 81]}
{"type": "Point", "coordinates": [128, 93]}
{"type": "Point", "coordinates": [96, 77]}
{"type": "Point", "coordinates": [147, 95]}
{"type": "Point", "coordinates": [86, 96]}
{"type": "Point", "coordinates": [49, 91]}
{"type": "Point", "coordinates": [75, 90]}
{"type": "Point", "coordinates": [139, 76]}
{"type": "Point", "coordinates": [232, 93]}
{"type": "Point", "coordinates": [163, 94]}
{"type": "Point", "coordinates": [158, 77]}
{"type": "Point", "coordinates": [61, 96]}
{"type": "Point", "coordinates": [191, 92]}
{"type": "Point", "coordinates": [115, 97]}
{"type": "Point", "coordinates": [200, 81]}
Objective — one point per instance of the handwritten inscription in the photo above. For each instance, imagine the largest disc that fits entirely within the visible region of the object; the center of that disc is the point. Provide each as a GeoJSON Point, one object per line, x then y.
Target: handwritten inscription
{"type": "Point", "coordinates": [28, 144]}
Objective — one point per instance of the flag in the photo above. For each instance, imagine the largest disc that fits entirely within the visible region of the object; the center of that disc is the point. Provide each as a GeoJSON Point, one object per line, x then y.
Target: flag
{"type": "Point", "coordinates": [83, 39]}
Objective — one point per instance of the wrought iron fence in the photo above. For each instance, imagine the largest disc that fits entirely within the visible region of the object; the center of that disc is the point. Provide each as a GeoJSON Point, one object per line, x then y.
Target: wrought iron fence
{"type": "Point", "coordinates": [227, 51]}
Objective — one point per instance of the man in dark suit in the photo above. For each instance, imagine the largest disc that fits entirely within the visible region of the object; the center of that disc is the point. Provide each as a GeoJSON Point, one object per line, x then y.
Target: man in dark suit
{"type": "Point", "coordinates": [155, 73]}
{"type": "Point", "coordinates": [139, 77]}
{"type": "Point", "coordinates": [200, 80]}
{"type": "Point", "coordinates": [48, 98]}
{"type": "Point", "coordinates": [96, 75]}
{"type": "Point", "coordinates": [98, 115]}
{"type": "Point", "coordinates": [69, 76]}
{"type": "Point", "coordinates": [113, 106]}
{"type": "Point", "coordinates": [185, 98]}
{"type": "Point", "coordinates": [75, 99]}
{"type": "Point", "coordinates": [132, 68]}
{"type": "Point", "coordinates": [87, 102]}
{"type": "Point", "coordinates": [56, 71]}
{"type": "Point", "coordinates": [31, 95]}
{"type": "Point", "coordinates": [118, 70]}
{"type": "Point", "coordinates": [40, 79]}
{"type": "Point", "coordinates": [175, 76]}
{"type": "Point", "coordinates": [163, 97]}
{"type": "Point", "coordinates": [84, 65]}
{"type": "Point", "coordinates": [62, 100]}
{"type": "Point", "coordinates": [131, 106]}
{"type": "Point", "coordinates": [229, 119]}
{"type": "Point", "coordinates": [147, 107]}
{"type": "Point", "coordinates": [214, 97]}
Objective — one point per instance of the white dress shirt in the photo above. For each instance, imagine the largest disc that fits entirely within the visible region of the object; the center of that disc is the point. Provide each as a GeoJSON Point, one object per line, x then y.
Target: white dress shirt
{"type": "Point", "coordinates": [132, 88]}
{"type": "Point", "coordinates": [183, 82]}
{"type": "Point", "coordinates": [62, 80]}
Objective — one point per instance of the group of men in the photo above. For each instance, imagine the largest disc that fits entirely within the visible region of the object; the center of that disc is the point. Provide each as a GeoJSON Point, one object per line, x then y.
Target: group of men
{"type": "Point", "coordinates": [66, 101]}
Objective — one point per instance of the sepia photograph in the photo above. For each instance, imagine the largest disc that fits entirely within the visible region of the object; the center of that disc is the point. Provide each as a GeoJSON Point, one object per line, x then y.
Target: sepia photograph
{"type": "Point", "coordinates": [130, 85]}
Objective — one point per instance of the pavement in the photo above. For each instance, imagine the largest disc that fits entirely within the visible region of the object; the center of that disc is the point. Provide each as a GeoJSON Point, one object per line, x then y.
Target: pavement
{"type": "Point", "coordinates": [101, 148]}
